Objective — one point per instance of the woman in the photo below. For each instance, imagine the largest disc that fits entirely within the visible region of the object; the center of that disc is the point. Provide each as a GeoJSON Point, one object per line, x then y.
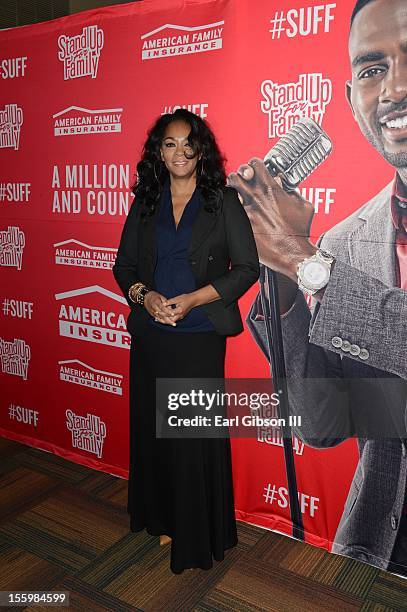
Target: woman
{"type": "Point", "coordinates": [186, 255]}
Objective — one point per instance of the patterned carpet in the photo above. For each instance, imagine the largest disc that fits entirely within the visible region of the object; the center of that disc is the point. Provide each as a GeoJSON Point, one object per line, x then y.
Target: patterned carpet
{"type": "Point", "coordinates": [65, 527]}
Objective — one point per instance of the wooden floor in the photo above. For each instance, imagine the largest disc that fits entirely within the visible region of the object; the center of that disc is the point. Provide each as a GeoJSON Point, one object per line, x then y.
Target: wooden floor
{"type": "Point", "coordinates": [64, 526]}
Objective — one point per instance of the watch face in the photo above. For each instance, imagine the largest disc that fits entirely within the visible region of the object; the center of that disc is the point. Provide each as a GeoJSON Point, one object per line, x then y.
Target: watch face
{"type": "Point", "coordinates": [315, 274]}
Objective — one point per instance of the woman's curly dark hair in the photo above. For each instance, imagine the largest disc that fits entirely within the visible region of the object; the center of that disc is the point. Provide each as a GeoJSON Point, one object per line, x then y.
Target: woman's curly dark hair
{"type": "Point", "coordinates": [152, 172]}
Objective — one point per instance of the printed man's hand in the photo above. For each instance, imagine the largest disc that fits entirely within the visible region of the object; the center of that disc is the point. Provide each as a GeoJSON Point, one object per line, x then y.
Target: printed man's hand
{"type": "Point", "coordinates": [281, 221]}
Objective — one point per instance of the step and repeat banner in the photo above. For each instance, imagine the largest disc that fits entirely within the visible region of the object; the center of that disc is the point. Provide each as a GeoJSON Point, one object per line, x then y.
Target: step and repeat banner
{"type": "Point", "coordinates": [77, 96]}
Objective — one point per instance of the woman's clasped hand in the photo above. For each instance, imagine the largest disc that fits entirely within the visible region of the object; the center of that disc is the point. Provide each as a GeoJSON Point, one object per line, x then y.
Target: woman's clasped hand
{"type": "Point", "coordinates": [171, 310]}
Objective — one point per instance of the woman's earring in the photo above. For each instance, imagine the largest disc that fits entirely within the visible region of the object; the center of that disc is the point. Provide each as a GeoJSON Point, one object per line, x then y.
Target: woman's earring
{"type": "Point", "coordinates": [155, 172]}
{"type": "Point", "coordinates": [201, 169]}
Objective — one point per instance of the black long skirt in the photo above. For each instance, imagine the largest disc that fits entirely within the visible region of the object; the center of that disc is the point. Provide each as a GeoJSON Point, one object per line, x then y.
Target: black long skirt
{"type": "Point", "coordinates": [178, 487]}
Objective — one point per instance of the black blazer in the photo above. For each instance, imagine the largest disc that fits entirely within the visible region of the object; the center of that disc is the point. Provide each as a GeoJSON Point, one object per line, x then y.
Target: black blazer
{"type": "Point", "coordinates": [222, 252]}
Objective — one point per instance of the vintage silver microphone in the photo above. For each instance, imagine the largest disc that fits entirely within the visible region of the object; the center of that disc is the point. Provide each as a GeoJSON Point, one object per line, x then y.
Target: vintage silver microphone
{"type": "Point", "coordinates": [293, 158]}
{"type": "Point", "coordinates": [298, 153]}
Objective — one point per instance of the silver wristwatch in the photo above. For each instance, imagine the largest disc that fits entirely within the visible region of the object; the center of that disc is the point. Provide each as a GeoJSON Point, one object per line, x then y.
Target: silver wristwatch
{"type": "Point", "coordinates": [314, 272]}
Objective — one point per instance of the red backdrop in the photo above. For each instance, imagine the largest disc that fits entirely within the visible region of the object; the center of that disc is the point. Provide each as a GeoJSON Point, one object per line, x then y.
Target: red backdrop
{"type": "Point", "coordinates": [77, 95]}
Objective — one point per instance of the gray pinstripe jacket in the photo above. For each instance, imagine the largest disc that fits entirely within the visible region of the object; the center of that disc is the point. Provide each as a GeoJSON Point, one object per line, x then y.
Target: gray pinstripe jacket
{"type": "Point", "coordinates": [362, 306]}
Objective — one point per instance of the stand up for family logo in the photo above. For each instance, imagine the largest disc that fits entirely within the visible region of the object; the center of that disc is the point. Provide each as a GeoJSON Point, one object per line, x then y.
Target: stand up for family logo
{"type": "Point", "coordinates": [80, 53]}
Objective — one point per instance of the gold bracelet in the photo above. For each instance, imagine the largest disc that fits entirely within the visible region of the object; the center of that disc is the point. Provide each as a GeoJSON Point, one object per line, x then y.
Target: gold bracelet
{"type": "Point", "coordinates": [132, 293]}
{"type": "Point", "coordinates": [137, 292]}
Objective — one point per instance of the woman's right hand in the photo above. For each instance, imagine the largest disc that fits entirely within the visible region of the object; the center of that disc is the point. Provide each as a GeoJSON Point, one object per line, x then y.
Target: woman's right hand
{"type": "Point", "coordinates": [153, 303]}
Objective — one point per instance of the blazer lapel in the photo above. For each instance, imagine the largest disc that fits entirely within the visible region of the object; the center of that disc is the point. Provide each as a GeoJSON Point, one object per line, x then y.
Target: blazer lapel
{"type": "Point", "coordinates": [372, 246]}
{"type": "Point", "coordinates": [149, 243]}
{"type": "Point", "coordinates": [202, 227]}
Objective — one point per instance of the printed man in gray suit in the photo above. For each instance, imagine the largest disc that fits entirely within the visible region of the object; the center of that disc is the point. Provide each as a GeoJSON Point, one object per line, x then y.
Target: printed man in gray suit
{"type": "Point", "coordinates": [355, 336]}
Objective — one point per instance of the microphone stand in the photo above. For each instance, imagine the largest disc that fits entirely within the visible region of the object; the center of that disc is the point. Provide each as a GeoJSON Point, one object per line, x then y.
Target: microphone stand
{"type": "Point", "coordinates": [271, 311]}
{"type": "Point", "coordinates": [293, 158]}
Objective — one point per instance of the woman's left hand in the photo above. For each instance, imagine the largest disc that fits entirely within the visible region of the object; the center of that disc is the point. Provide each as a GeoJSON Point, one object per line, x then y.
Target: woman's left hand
{"type": "Point", "coordinates": [183, 304]}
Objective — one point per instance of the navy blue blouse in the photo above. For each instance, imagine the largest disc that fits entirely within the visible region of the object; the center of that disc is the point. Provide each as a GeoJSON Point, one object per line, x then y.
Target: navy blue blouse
{"type": "Point", "coordinates": [173, 274]}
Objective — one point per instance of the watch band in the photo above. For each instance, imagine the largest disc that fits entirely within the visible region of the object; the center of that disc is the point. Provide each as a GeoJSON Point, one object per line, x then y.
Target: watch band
{"type": "Point", "coordinates": [325, 256]}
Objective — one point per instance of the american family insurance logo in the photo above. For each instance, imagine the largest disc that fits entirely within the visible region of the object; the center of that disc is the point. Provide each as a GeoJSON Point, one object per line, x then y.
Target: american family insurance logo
{"type": "Point", "coordinates": [15, 357]}
{"type": "Point", "coordinates": [79, 373]}
{"type": "Point", "coordinates": [11, 120]}
{"type": "Point", "coordinates": [75, 120]}
{"type": "Point", "coordinates": [88, 433]}
{"type": "Point", "coordinates": [74, 253]}
{"type": "Point", "coordinates": [80, 54]}
{"type": "Point", "coordinates": [96, 324]}
{"type": "Point", "coordinates": [286, 103]}
{"type": "Point", "coordinates": [169, 40]}
{"type": "Point", "coordinates": [12, 243]}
